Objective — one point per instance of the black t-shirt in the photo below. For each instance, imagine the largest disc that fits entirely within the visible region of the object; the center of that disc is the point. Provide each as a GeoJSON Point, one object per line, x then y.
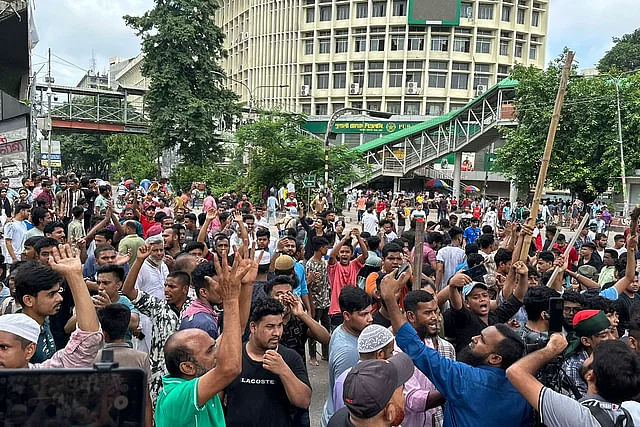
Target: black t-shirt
{"type": "Point", "coordinates": [294, 336]}
{"type": "Point", "coordinates": [257, 396]}
{"type": "Point", "coordinates": [379, 319]}
{"type": "Point", "coordinates": [340, 419]}
{"type": "Point", "coordinates": [401, 217]}
{"type": "Point", "coordinates": [625, 307]}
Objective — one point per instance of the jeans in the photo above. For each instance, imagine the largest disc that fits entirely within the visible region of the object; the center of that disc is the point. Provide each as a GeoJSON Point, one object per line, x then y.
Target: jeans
{"type": "Point", "coordinates": [321, 316]}
{"type": "Point", "coordinates": [360, 213]}
{"type": "Point", "coordinates": [271, 213]}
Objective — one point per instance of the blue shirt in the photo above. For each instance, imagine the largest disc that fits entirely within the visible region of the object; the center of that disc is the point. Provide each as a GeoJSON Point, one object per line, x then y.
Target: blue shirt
{"type": "Point", "coordinates": [471, 234]}
{"type": "Point", "coordinates": [475, 395]}
{"type": "Point", "coordinates": [301, 290]}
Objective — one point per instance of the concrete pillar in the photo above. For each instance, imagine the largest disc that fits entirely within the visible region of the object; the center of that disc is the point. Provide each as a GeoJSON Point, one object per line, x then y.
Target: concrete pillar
{"type": "Point", "coordinates": [457, 171]}
{"type": "Point", "coordinates": [396, 185]}
{"type": "Point", "coordinates": [513, 192]}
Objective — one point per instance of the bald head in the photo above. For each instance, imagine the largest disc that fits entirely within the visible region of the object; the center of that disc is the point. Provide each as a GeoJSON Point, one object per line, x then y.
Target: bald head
{"type": "Point", "coordinates": [182, 347]}
{"type": "Point", "coordinates": [186, 262]}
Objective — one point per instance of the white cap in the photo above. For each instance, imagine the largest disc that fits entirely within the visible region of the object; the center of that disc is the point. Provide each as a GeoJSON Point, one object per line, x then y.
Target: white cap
{"type": "Point", "coordinates": [21, 325]}
{"type": "Point", "coordinates": [373, 338]}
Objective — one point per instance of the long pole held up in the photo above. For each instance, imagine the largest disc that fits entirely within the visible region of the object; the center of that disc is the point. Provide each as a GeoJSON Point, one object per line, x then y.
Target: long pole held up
{"type": "Point", "coordinates": [548, 148]}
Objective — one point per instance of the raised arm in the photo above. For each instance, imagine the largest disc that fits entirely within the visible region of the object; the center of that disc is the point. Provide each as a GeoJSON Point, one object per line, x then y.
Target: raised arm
{"type": "Point", "coordinates": [630, 271]}
{"type": "Point", "coordinates": [316, 330]}
{"type": "Point", "coordinates": [129, 286]}
{"type": "Point", "coordinates": [363, 246]}
{"type": "Point", "coordinates": [202, 234]}
{"type": "Point", "coordinates": [67, 264]}
{"type": "Point", "coordinates": [458, 280]}
{"type": "Point", "coordinates": [521, 272]}
{"type": "Point", "coordinates": [337, 247]}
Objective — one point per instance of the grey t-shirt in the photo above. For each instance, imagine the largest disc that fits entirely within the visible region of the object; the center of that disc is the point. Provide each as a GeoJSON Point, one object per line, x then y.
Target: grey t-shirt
{"type": "Point", "coordinates": [559, 410]}
{"type": "Point", "coordinates": [343, 354]}
{"type": "Point", "coordinates": [451, 257]}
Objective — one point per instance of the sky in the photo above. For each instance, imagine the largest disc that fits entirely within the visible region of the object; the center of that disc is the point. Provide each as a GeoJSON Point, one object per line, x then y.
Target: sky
{"type": "Point", "coordinates": [76, 30]}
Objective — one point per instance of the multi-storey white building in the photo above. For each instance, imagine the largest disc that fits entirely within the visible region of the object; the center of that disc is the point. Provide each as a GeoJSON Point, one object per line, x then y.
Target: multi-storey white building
{"type": "Point", "coordinates": [365, 54]}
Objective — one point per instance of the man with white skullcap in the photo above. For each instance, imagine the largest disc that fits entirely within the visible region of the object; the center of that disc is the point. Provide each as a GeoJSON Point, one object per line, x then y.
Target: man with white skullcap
{"type": "Point", "coordinates": [19, 333]}
{"type": "Point", "coordinates": [374, 343]}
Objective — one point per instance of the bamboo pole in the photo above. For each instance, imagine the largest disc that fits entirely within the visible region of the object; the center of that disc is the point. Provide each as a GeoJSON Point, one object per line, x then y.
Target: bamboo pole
{"type": "Point", "coordinates": [557, 270]}
{"type": "Point", "coordinates": [418, 250]}
{"type": "Point", "coordinates": [548, 148]}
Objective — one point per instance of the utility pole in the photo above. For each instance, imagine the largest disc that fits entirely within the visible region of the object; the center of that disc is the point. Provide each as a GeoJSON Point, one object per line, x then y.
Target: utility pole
{"type": "Point", "coordinates": [625, 209]}
{"type": "Point", "coordinates": [49, 93]}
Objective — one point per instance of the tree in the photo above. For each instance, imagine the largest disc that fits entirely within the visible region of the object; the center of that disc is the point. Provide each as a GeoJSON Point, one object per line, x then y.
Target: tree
{"type": "Point", "coordinates": [586, 153]}
{"type": "Point", "coordinates": [279, 153]}
{"type": "Point", "coordinates": [131, 156]}
{"type": "Point", "coordinates": [182, 47]}
{"type": "Point", "coordinates": [84, 153]}
{"type": "Point", "coordinates": [625, 55]}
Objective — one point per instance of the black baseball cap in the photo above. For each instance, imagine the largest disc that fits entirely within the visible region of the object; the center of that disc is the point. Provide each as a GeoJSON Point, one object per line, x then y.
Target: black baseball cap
{"type": "Point", "coordinates": [371, 383]}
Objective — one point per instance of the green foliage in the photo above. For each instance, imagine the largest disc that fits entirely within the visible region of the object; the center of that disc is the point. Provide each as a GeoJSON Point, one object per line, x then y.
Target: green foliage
{"type": "Point", "coordinates": [586, 153]}
{"type": "Point", "coordinates": [133, 156]}
{"type": "Point", "coordinates": [625, 55]}
{"type": "Point", "coordinates": [182, 47]}
{"type": "Point", "coordinates": [84, 153]}
{"type": "Point", "coordinates": [279, 153]}
{"type": "Point", "coordinates": [219, 179]}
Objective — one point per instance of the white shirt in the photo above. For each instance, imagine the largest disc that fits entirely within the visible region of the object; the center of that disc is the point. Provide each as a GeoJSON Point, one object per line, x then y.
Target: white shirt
{"type": "Point", "coordinates": [370, 223]}
{"type": "Point", "coordinates": [15, 230]}
{"type": "Point", "coordinates": [151, 279]}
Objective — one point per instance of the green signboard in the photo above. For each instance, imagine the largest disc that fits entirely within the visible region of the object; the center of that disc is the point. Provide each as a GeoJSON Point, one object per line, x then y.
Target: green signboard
{"type": "Point", "coordinates": [434, 12]}
{"type": "Point", "coordinates": [380, 127]}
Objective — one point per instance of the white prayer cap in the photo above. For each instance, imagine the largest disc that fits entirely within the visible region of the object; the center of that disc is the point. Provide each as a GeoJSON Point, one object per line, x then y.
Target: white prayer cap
{"type": "Point", "coordinates": [373, 338]}
{"type": "Point", "coordinates": [21, 325]}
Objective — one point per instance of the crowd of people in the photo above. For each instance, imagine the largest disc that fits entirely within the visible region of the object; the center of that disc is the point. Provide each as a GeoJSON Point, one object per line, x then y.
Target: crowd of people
{"type": "Point", "coordinates": [224, 308]}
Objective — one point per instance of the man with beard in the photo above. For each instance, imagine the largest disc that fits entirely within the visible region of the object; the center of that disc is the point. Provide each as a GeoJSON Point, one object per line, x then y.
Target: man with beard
{"type": "Point", "coordinates": [198, 367]}
{"type": "Point", "coordinates": [422, 401]}
{"type": "Point", "coordinates": [373, 393]}
{"type": "Point", "coordinates": [475, 386]}
{"type": "Point", "coordinates": [201, 314]}
{"type": "Point", "coordinates": [471, 310]}
{"type": "Point", "coordinates": [273, 383]}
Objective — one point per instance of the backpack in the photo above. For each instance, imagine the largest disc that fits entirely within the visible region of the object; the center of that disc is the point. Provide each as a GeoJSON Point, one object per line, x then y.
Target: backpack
{"type": "Point", "coordinates": [600, 410]}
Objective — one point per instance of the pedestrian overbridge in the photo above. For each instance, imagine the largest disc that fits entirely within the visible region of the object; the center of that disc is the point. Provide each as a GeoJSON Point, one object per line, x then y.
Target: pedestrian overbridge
{"type": "Point", "coordinates": [471, 128]}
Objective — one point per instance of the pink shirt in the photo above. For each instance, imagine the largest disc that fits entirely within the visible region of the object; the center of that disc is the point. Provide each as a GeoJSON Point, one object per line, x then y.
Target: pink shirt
{"type": "Point", "coordinates": [339, 277]}
{"type": "Point", "coordinates": [428, 254]}
{"type": "Point", "coordinates": [80, 352]}
{"type": "Point", "coordinates": [209, 203]}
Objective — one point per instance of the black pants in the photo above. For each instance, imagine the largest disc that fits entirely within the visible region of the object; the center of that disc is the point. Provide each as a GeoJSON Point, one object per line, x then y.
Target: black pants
{"type": "Point", "coordinates": [321, 316]}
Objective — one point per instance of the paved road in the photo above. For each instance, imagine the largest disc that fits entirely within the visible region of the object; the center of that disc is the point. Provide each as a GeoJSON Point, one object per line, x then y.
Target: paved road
{"type": "Point", "coordinates": [319, 377]}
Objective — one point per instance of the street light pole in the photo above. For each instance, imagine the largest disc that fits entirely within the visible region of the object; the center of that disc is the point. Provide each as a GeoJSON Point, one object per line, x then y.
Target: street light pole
{"type": "Point", "coordinates": [49, 93]}
{"type": "Point", "coordinates": [625, 209]}
{"type": "Point", "coordinates": [242, 83]}
{"type": "Point", "coordinates": [332, 120]}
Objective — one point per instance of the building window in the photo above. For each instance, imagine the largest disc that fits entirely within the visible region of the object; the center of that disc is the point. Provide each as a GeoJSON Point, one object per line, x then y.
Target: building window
{"type": "Point", "coordinates": [337, 106]}
{"type": "Point", "coordinates": [395, 78]}
{"type": "Point", "coordinates": [461, 44]}
{"type": "Point", "coordinates": [412, 108]}
{"type": "Point", "coordinates": [324, 45]}
{"type": "Point", "coordinates": [340, 66]}
{"type": "Point", "coordinates": [342, 45]}
{"type": "Point", "coordinates": [518, 52]}
{"type": "Point", "coordinates": [438, 65]}
{"type": "Point", "coordinates": [503, 69]}
{"type": "Point", "coordinates": [399, 7]}
{"type": "Point", "coordinates": [535, 18]}
{"type": "Point", "coordinates": [376, 65]}
{"type": "Point", "coordinates": [339, 80]}
{"type": "Point", "coordinates": [306, 109]}
{"type": "Point", "coordinates": [435, 108]}
{"type": "Point", "coordinates": [322, 81]}
{"type": "Point", "coordinates": [397, 42]}
{"type": "Point", "coordinates": [394, 108]}
{"type": "Point", "coordinates": [521, 13]}
{"type": "Point", "coordinates": [358, 78]}
{"type": "Point", "coordinates": [415, 65]}
{"type": "Point", "coordinates": [360, 44]}
{"type": "Point", "coordinates": [357, 65]}
{"type": "Point", "coordinates": [306, 80]}
{"type": "Point", "coordinates": [440, 43]}
{"type": "Point", "coordinates": [415, 77]}
{"type": "Point", "coordinates": [506, 13]}
{"type": "Point", "coordinates": [376, 44]}
{"type": "Point", "coordinates": [456, 106]}
{"type": "Point", "coordinates": [356, 104]}
{"type": "Point", "coordinates": [311, 14]}
{"type": "Point", "coordinates": [483, 45]}
{"type": "Point", "coordinates": [480, 80]}
{"type": "Point", "coordinates": [416, 42]}
{"type": "Point", "coordinates": [322, 109]}
{"type": "Point", "coordinates": [459, 81]}
{"type": "Point", "coordinates": [437, 80]}
{"type": "Point", "coordinates": [361, 10]}
{"type": "Point", "coordinates": [466, 10]}
{"type": "Point", "coordinates": [533, 52]}
{"type": "Point", "coordinates": [374, 105]}
{"type": "Point", "coordinates": [379, 9]}
{"type": "Point", "coordinates": [308, 47]}
{"type": "Point", "coordinates": [483, 68]}
{"type": "Point", "coordinates": [325, 13]}
{"type": "Point", "coordinates": [375, 79]}
{"type": "Point", "coordinates": [485, 11]}
{"type": "Point", "coordinates": [504, 47]}
{"type": "Point", "coordinates": [460, 66]}
{"type": "Point", "coordinates": [342, 11]}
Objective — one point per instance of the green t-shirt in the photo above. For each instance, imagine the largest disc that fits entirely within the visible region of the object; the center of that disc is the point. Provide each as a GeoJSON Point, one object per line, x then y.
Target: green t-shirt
{"type": "Point", "coordinates": [177, 405]}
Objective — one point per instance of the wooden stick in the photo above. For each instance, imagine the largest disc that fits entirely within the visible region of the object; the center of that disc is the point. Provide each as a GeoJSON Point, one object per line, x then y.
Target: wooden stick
{"type": "Point", "coordinates": [556, 270]}
{"type": "Point", "coordinates": [548, 148]}
{"type": "Point", "coordinates": [418, 250]}
{"type": "Point", "coordinates": [555, 238]}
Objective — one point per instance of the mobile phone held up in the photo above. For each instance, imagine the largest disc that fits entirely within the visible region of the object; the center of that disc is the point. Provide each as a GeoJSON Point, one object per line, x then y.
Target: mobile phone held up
{"type": "Point", "coordinates": [556, 308]}
{"type": "Point", "coordinates": [404, 267]}
{"type": "Point", "coordinates": [476, 273]}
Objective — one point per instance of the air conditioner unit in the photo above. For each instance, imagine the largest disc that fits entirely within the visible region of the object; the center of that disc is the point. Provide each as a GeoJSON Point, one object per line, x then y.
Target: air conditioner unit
{"type": "Point", "coordinates": [305, 90]}
{"type": "Point", "coordinates": [245, 35]}
{"type": "Point", "coordinates": [354, 89]}
{"type": "Point", "coordinates": [480, 89]}
{"type": "Point", "coordinates": [412, 88]}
